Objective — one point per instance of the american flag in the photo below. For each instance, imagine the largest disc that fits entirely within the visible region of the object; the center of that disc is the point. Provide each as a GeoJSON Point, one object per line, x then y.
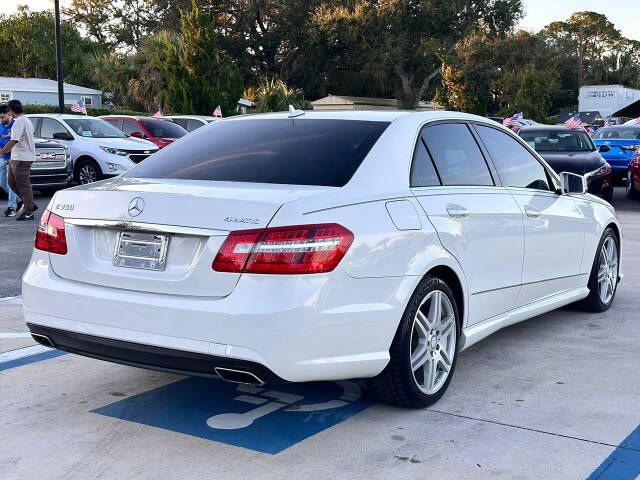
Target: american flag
{"type": "Point", "coordinates": [217, 112]}
{"type": "Point", "coordinates": [512, 121]}
{"type": "Point", "coordinates": [158, 114]}
{"type": "Point", "coordinates": [574, 121]}
{"type": "Point", "coordinates": [79, 107]}
{"type": "Point", "coordinates": [607, 123]}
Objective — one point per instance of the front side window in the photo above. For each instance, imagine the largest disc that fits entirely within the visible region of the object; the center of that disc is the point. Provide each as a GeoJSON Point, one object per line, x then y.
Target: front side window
{"type": "Point", "coordinates": [130, 126]}
{"type": "Point", "coordinates": [558, 141]}
{"type": "Point", "coordinates": [516, 166]}
{"type": "Point", "coordinates": [456, 155]}
{"type": "Point", "coordinates": [51, 126]}
{"type": "Point", "coordinates": [282, 151]}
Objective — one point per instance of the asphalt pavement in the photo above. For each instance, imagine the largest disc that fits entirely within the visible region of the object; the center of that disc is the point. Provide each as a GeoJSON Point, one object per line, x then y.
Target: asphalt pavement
{"type": "Point", "coordinates": [16, 245]}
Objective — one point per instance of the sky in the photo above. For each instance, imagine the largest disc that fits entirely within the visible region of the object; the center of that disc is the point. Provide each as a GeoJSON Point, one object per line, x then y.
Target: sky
{"type": "Point", "coordinates": [623, 13]}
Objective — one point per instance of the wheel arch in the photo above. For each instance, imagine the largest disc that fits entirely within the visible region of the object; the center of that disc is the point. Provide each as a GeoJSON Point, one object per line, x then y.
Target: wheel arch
{"type": "Point", "coordinates": [78, 161]}
{"type": "Point", "coordinates": [451, 278]}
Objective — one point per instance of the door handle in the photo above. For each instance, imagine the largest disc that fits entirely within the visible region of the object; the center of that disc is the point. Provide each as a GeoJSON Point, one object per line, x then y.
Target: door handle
{"type": "Point", "coordinates": [456, 211]}
{"type": "Point", "coordinates": [532, 212]}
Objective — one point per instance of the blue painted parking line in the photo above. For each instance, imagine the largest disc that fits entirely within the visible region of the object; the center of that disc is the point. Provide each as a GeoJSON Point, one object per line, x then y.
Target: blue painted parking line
{"type": "Point", "coordinates": [264, 419]}
{"type": "Point", "coordinates": [18, 362]}
{"type": "Point", "coordinates": [624, 461]}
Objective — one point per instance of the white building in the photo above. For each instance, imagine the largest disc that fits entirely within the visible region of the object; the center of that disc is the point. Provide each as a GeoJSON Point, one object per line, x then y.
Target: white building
{"type": "Point", "coordinates": [40, 91]}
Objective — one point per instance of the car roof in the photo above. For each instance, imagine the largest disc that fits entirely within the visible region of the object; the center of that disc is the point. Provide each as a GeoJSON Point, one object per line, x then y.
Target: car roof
{"type": "Point", "coordinates": [61, 116]}
{"type": "Point", "coordinates": [196, 117]}
{"type": "Point", "coordinates": [133, 117]}
{"type": "Point", "coordinates": [366, 115]}
{"type": "Point", "coordinates": [549, 128]}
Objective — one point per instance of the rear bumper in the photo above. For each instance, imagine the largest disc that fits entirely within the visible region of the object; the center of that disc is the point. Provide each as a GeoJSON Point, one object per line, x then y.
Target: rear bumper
{"type": "Point", "coordinates": [301, 328]}
{"type": "Point", "coordinates": [147, 356]}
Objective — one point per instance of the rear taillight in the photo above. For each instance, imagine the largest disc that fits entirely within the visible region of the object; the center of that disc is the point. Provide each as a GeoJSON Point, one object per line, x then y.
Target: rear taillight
{"type": "Point", "coordinates": [50, 236]}
{"type": "Point", "coordinates": [284, 250]}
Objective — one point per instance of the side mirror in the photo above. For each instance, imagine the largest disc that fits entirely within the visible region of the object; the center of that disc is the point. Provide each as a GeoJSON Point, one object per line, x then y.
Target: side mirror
{"type": "Point", "coordinates": [137, 134]}
{"type": "Point", "coordinates": [62, 136]}
{"type": "Point", "coordinates": [604, 148]}
{"type": "Point", "coordinates": [572, 183]}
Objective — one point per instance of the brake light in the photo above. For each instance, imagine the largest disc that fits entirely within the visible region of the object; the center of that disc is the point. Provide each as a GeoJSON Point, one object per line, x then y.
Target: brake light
{"type": "Point", "coordinates": [50, 236]}
{"type": "Point", "coordinates": [284, 250]}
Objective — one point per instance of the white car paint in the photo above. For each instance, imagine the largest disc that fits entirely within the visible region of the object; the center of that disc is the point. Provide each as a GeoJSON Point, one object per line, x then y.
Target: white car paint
{"type": "Point", "coordinates": [88, 147]}
{"type": "Point", "coordinates": [326, 326]}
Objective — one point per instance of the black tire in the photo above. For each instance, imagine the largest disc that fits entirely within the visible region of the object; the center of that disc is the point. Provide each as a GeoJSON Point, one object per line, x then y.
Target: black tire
{"type": "Point", "coordinates": [87, 165]}
{"type": "Point", "coordinates": [396, 384]}
{"type": "Point", "coordinates": [593, 303]}
{"type": "Point", "coordinates": [609, 195]}
{"type": "Point", "coordinates": [631, 188]}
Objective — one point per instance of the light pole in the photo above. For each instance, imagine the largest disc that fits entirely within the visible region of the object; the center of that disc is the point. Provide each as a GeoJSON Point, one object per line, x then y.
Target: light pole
{"type": "Point", "coordinates": [59, 59]}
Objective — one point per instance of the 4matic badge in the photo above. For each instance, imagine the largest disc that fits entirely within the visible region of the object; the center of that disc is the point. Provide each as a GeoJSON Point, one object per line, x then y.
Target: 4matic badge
{"type": "Point", "coordinates": [253, 221]}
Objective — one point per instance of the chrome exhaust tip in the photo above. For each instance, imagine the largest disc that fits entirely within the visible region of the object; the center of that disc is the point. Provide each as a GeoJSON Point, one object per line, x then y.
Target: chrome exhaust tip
{"type": "Point", "coordinates": [238, 376]}
{"type": "Point", "coordinates": [42, 340]}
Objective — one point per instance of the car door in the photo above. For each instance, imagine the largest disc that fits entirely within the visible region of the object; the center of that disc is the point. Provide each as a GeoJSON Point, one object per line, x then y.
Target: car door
{"type": "Point", "coordinates": [554, 225]}
{"type": "Point", "coordinates": [477, 221]}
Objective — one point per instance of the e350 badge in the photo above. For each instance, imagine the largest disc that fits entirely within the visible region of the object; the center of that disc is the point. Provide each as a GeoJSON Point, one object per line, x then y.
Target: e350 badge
{"type": "Point", "coordinates": [64, 207]}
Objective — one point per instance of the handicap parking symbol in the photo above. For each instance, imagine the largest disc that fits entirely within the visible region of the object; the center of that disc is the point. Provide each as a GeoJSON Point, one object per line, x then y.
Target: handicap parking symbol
{"type": "Point", "coordinates": [264, 419]}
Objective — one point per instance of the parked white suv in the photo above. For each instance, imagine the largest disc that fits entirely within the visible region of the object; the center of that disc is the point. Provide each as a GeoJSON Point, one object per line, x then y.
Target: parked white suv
{"type": "Point", "coordinates": [320, 246]}
{"type": "Point", "coordinates": [98, 150]}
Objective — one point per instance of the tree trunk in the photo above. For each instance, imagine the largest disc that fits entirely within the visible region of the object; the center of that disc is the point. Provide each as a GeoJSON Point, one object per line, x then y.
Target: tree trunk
{"type": "Point", "coordinates": [580, 55]}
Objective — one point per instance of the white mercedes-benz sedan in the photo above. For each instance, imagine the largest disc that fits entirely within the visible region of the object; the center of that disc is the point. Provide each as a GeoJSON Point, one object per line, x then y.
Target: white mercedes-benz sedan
{"type": "Point", "coordinates": [319, 246]}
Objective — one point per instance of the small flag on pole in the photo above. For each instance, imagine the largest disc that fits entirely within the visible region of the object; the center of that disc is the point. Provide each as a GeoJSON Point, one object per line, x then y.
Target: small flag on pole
{"type": "Point", "coordinates": [574, 121]}
{"type": "Point", "coordinates": [512, 121]}
{"type": "Point", "coordinates": [79, 107]}
{"type": "Point", "coordinates": [158, 114]}
{"type": "Point", "coordinates": [217, 112]}
{"type": "Point", "coordinates": [607, 123]}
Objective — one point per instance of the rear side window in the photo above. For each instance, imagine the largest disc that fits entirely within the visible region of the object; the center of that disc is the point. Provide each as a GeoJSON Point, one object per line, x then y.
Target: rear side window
{"type": "Point", "coordinates": [283, 151]}
{"type": "Point", "coordinates": [456, 155]}
{"type": "Point", "coordinates": [516, 166]}
{"type": "Point", "coordinates": [423, 173]}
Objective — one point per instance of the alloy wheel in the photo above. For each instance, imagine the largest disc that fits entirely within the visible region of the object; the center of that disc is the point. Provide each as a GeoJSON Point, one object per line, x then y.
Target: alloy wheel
{"type": "Point", "coordinates": [629, 185]}
{"type": "Point", "coordinates": [433, 342]}
{"type": "Point", "coordinates": [87, 174]}
{"type": "Point", "coordinates": [608, 270]}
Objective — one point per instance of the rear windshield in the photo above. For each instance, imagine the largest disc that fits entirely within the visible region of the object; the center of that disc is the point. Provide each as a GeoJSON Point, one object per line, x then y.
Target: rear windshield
{"type": "Point", "coordinates": [617, 133]}
{"type": "Point", "coordinates": [163, 128]}
{"type": "Point", "coordinates": [284, 151]}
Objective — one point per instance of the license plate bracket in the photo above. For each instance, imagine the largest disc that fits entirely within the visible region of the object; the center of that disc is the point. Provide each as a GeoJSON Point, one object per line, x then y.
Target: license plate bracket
{"type": "Point", "coordinates": [145, 251]}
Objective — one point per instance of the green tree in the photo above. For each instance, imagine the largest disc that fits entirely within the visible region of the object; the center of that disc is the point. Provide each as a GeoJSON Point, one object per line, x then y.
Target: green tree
{"type": "Point", "coordinates": [407, 39]}
{"type": "Point", "coordinates": [200, 74]}
{"type": "Point", "coordinates": [588, 34]}
{"type": "Point", "coordinates": [27, 48]}
{"type": "Point", "coordinates": [274, 95]}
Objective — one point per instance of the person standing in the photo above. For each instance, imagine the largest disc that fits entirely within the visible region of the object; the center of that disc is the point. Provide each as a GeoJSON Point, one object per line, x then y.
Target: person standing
{"type": "Point", "coordinates": [6, 122]}
{"type": "Point", "coordinates": [23, 154]}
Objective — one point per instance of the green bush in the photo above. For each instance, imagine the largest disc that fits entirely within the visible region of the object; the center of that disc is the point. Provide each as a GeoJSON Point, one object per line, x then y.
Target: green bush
{"type": "Point", "coordinates": [92, 112]}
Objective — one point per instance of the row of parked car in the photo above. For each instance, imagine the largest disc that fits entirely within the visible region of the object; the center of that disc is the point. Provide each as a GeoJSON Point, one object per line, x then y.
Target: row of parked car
{"type": "Point", "coordinates": [609, 157]}
{"type": "Point", "coordinates": [81, 149]}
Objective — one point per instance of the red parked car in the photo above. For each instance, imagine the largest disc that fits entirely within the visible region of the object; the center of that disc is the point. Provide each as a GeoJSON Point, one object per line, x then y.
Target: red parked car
{"type": "Point", "coordinates": [633, 176]}
{"type": "Point", "coordinates": [156, 130]}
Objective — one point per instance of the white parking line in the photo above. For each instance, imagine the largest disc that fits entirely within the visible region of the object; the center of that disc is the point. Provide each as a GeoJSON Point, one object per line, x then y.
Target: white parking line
{"type": "Point", "coordinates": [23, 352]}
{"type": "Point", "coordinates": [15, 335]}
{"type": "Point", "coordinates": [17, 300]}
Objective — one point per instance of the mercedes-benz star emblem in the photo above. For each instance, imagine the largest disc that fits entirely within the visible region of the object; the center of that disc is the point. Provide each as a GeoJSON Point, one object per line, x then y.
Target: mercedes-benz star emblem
{"type": "Point", "coordinates": [136, 206]}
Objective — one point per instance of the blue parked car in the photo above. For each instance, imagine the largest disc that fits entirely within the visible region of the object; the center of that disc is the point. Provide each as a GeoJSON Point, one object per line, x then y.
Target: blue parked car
{"type": "Point", "coordinates": [623, 141]}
